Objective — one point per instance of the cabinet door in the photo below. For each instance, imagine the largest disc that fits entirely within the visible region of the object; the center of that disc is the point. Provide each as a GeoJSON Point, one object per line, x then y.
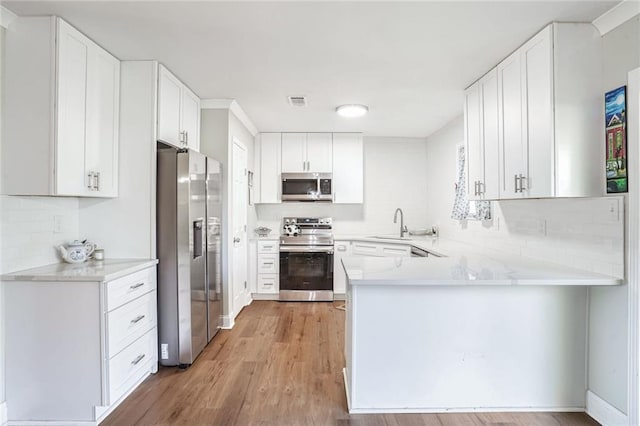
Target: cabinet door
{"type": "Point", "coordinates": [473, 141]}
{"type": "Point", "coordinates": [348, 168]}
{"type": "Point", "coordinates": [490, 188]}
{"type": "Point", "coordinates": [73, 52]}
{"type": "Point", "coordinates": [191, 119]}
{"type": "Point", "coordinates": [101, 147]}
{"type": "Point", "coordinates": [270, 167]}
{"type": "Point", "coordinates": [169, 96]}
{"type": "Point", "coordinates": [319, 152]}
{"type": "Point", "coordinates": [537, 58]}
{"type": "Point", "coordinates": [294, 152]}
{"type": "Point", "coordinates": [512, 143]}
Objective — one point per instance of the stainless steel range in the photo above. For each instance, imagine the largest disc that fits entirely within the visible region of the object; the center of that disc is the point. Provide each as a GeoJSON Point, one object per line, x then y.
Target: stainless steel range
{"type": "Point", "coordinates": [306, 259]}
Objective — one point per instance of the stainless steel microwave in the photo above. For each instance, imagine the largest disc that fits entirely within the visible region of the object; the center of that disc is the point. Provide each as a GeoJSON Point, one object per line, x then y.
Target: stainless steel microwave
{"type": "Point", "coordinates": [307, 187]}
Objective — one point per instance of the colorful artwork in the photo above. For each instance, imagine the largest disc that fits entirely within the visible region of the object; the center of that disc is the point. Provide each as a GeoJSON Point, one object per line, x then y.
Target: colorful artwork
{"type": "Point", "coordinates": [616, 139]}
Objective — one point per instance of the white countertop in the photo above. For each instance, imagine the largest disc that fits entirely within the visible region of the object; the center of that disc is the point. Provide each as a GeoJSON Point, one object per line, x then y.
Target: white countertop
{"type": "Point", "coordinates": [105, 270]}
{"type": "Point", "coordinates": [462, 264]}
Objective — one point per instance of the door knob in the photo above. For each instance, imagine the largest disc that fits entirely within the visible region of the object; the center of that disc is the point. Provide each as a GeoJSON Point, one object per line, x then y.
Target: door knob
{"type": "Point", "coordinates": [236, 240]}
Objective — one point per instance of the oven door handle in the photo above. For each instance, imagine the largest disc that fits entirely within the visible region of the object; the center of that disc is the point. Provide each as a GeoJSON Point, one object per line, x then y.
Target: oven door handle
{"type": "Point", "coordinates": [304, 249]}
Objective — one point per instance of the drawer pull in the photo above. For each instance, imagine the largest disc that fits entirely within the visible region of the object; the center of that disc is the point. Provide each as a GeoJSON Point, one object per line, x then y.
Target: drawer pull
{"type": "Point", "coordinates": [137, 319]}
{"type": "Point", "coordinates": [133, 287]}
{"type": "Point", "coordinates": [267, 263]}
{"type": "Point", "coordinates": [138, 359]}
{"type": "Point", "coordinates": [267, 284]}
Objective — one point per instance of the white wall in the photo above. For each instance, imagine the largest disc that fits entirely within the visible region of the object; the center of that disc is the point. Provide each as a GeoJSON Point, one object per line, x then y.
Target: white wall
{"type": "Point", "coordinates": [608, 308]}
{"type": "Point", "coordinates": [395, 175]}
{"type": "Point", "coordinates": [218, 128]}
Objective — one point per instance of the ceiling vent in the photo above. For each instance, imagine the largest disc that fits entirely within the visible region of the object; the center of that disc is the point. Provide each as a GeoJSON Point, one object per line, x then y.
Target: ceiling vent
{"type": "Point", "coordinates": [297, 101]}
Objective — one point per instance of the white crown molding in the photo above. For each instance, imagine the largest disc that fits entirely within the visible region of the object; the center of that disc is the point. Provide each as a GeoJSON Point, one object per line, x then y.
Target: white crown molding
{"type": "Point", "coordinates": [617, 15]}
{"type": "Point", "coordinates": [233, 106]}
{"type": "Point", "coordinates": [6, 17]}
{"type": "Point", "coordinates": [216, 103]}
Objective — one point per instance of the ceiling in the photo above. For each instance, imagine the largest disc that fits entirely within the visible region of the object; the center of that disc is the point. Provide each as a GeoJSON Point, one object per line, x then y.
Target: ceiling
{"type": "Point", "coordinates": [408, 61]}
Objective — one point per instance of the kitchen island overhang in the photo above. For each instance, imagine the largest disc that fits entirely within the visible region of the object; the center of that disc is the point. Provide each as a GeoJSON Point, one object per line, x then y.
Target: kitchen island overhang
{"type": "Point", "coordinates": [466, 333]}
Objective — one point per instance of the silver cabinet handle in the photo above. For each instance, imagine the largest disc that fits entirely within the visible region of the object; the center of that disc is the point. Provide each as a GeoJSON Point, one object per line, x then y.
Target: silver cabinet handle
{"type": "Point", "coordinates": [138, 285]}
{"type": "Point", "coordinates": [137, 319]}
{"type": "Point", "coordinates": [475, 187]}
{"type": "Point", "coordinates": [90, 181]}
{"type": "Point", "coordinates": [182, 137]}
{"type": "Point", "coordinates": [96, 185]}
{"type": "Point", "coordinates": [522, 179]}
{"type": "Point", "coordinates": [515, 183]}
{"type": "Point", "coordinates": [308, 165]}
{"type": "Point", "coordinates": [138, 359]}
{"type": "Point", "coordinates": [267, 263]}
{"type": "Point", "coordinates": [480, 188]}
{"type": "Point", "coordinates": [186, 137]}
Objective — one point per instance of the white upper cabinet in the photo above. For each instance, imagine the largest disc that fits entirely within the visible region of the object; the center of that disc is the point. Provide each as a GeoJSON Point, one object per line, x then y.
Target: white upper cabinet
{"type": "Point", "coordinates": [348, 168]}
{"type": "Point", "coordinates": [481, 137]}
{"type": "Point", "coordinates": [319, 152]}
{"type": "Point", "coordinates": [338, 153]}
{"type": "Point", "coordinates": [267, 175]}
{"type": "Point", "coordinates": [307, 152]}
{"type": "Point", "coordinates": [191, 119]}
{"type": "Point", "coordinates": [61, 115]}
{"type": "Point", "coordinates": [294, 152]}
{"type": "Point", "coordinates": [549, 104]}
{"type": "Point", "coordinates": [178, 112]}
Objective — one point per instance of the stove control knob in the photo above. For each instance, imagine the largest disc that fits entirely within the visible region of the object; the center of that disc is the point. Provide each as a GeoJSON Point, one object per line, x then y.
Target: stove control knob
{"type": "Point", "coordinates": [293, 221]}
{"type": "Point", "coordinates": [286, 221]}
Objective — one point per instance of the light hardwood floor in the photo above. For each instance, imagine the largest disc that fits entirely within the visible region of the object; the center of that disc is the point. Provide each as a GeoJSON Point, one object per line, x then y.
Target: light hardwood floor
{"type": "Point", "coordinates": [280, 365]}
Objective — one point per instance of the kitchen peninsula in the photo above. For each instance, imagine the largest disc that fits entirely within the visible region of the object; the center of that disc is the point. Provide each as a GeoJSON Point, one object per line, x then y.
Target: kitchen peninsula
{"type": "Point", "coordinates": [465, 332]}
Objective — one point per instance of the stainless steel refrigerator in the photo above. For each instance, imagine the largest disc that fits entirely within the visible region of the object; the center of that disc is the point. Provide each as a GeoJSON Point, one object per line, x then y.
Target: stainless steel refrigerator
{"type": "Point", "coordinates": [189, 249]}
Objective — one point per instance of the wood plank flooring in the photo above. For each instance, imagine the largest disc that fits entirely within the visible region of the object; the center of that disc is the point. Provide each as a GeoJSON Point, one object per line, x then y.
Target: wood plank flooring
{"type": "Point", "coordinates": [281, 365]}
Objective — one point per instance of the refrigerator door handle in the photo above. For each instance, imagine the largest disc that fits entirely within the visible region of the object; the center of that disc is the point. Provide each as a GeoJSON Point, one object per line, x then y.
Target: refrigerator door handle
{"type": "Point", "coordinates": [198, 238]}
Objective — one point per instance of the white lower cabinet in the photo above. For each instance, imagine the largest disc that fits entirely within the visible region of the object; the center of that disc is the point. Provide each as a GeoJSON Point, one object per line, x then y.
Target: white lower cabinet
{"type": "Point", "coordinates": [267, 268]}
{"type": "Point", "coordinates": [76, 348]}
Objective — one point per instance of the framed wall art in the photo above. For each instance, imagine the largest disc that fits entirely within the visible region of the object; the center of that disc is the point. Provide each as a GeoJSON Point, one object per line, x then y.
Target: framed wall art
{"type": "Point", "coordinates": [615, 107]}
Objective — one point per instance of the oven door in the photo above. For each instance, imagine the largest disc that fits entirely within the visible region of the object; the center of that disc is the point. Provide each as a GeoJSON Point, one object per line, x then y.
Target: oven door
{"type": "Point", "coordinates": [306, 274]}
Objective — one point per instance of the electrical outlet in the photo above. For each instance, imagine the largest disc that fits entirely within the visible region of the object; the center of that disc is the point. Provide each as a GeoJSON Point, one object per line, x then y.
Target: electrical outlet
{"type": "Point", "coordinates": [614, 210]}
{"type": "Point", "coordinates": [57, 224]}
{"type": "Point", "coordinates": [164, 351]}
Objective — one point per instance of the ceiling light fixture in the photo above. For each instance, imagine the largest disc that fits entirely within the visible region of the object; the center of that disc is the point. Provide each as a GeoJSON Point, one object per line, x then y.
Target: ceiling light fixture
{"type": "Point", "coordinates": [352, 110]}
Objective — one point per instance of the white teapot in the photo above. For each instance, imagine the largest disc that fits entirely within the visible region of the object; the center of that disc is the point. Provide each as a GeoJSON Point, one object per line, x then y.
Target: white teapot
{"type": "Point", "coordinates": [77, 251]}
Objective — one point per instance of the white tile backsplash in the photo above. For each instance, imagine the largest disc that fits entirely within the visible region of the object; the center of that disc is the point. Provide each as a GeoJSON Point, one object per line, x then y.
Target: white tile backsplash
{"type": "Point", "coordinates": [31, 228]}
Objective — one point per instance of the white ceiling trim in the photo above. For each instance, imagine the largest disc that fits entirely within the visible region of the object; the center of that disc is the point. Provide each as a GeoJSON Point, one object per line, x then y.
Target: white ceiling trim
{"type": "Point", "coordinates": [233, 106]}
{"type": "Point", "coordinates": [6, 17]}
{"type": "Point", "coordinates": [617, 15]}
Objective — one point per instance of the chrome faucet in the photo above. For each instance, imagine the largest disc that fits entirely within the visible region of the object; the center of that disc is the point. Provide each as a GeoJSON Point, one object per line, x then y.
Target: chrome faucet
{"type": "Point", "coordinates": [403, 228]}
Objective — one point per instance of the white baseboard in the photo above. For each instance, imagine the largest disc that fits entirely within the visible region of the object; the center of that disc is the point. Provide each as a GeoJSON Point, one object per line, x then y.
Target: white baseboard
{"type": "Point", "coordinates": [444, 410]}
{"type": "Point", "coordinates": [3, 413]}
{"type": "Point", "coordinates": [227, 322]}
{"type": "Point", "coordinates": [339, 296]}
{"type": "Point", "coordinates": [47, 423]}
{"type": "Point", "coordinates": [605, 413]}
{"type": "Point", "coordinates": [261, 296]}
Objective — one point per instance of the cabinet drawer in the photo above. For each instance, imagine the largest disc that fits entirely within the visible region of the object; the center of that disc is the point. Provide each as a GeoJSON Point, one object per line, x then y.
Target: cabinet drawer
{"type": "Point", "coordinates": [130, 321]}
{"type": "Point", "coordinates": [130, 365]}
{"type": "Point", "coordinates": [268, 247]}
{"type": "Point", "coordinates": [268, 263]}
{"type": "Point", "coordinates": [364, 249]}
{"type": "Point", "coordinates": [127, 288]}
{"type": "Point", "coordinates": [268, 283]}
{"type": "Point", "coordinates": [396, 251]}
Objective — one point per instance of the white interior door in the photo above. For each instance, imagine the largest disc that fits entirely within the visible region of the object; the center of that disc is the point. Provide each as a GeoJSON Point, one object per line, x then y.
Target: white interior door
{"type": "Point", "coordinates": [239, 213]}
